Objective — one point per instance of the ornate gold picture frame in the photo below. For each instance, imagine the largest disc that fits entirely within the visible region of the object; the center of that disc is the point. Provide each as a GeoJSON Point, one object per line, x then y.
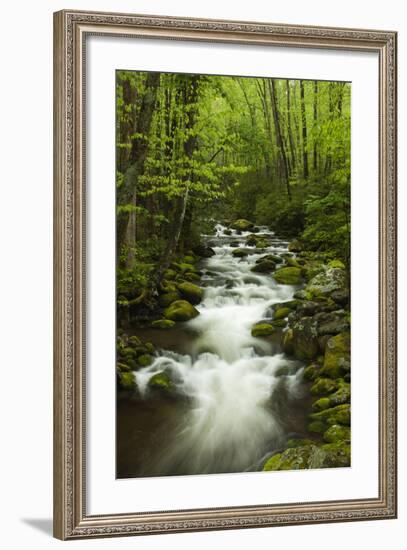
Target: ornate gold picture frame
{"type": "Point", "coordinates": [71, 518]}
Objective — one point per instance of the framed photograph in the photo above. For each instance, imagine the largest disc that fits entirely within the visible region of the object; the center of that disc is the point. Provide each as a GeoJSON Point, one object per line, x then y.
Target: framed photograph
{"type": "Point", "coordinates": [225, 274]}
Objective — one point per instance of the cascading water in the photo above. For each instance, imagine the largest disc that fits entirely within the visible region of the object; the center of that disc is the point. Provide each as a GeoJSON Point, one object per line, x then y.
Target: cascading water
{"type": "Point", "coordinates": [237, 400]}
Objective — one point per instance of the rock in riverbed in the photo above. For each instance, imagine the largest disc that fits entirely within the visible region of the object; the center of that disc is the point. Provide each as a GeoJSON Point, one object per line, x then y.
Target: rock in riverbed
{"type": "Point", "coordinates": [310, 456]}
{"type": "Point", "coordinates": [262, 329]}
{"type": "Point", "coordinates": [242, 225]}
{"type": "Point", "coordinates": [288, 275]}
{"type": "Point", "coordinates": [191, 292]}
{"type": "Point", "coordinates": [267, 266]}
{"type": "Point", "coordinates": [180, 311]}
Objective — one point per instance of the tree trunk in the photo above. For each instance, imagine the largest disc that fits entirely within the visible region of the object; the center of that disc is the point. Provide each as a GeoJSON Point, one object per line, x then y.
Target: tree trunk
{"type": "Point", "coordinates": [315, 152]}
{"type": "Point", "coordinates": [289, 127]}
{"type": "Point", "coordinates": [267, 153]}
{"type": "Point", "coordinates": [138, 154]}
{"type": "Point", "coordinates": [126, 126]}
{"type": "Point", "coordinates": [280, 142]}
{"type": "Point", "coordinates": [328, 158]}
{"type": "Point", "coordinates": [190, 96]}
{"type": "Point", "coordinates": [304, 132]}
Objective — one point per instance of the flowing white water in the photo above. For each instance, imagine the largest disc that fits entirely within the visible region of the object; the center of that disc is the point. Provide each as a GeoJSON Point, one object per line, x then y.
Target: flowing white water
{"type": "Point", "coordinates": [232, 379]}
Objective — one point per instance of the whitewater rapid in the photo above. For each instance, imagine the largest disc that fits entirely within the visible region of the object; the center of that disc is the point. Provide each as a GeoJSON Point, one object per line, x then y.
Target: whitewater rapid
{"type": "Point", "coordinates": [232, 380]}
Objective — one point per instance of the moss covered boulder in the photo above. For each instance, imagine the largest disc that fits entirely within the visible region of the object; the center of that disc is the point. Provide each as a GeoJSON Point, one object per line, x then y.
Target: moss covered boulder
{"type": "Point", "coordinates": [292, 262]}
{"type": "Point", "coordinates": [337, 454]}
{"type": "Point", "coordinates": [187, 268]}
{"type": "Point", "coordinates": [191, 292]}
{"type": "Point", "coordinates": [337, 356]}
{"type": "Point", "coordinates": [313, 268]}
{"type": "Point", "coordinates": [337, 433]}
{"type": "Point", "coordinates": [336, 264]}
{"type": "Point", "coordinates": [262, 243]}
{"type": "Point", "coordinates": [324, 386]}
{"type": "Point", "coordinates": [296, 458]}
{"type": "Point", "coordinates": [123, 367]}
{"type": "Point", "coordinates": [305, 338]}
{"type": "Point", "coordinates": [161, 381]}
{"type": "Point", "coordinates": [302, 295]}
{"type": "Point", "coordinates": [134, 341]}
{"type": "Point", "coordinates": [330, 319]}
{"type": "Point", "coordinates": [317, 427]}
{"type": "Point", "coordinates": [170, 274]}
{"type": "Point", "coordinates": [144, 360]}
{"type": "Point", "coordinates": [180, 311]}
{"type": "Point", "coordinates": [240, 253]}
{"type": "Point", "coordinates": [321, 404]}
{"type": "Point", "coordinates": [288, 275]}
{"type": "Point", "coordinates": [272, 257]}
{"type": "Point", "coordinates": [266, 266]}
{"type": "Point", "coordinates": [167, 286]}
{"type": "Point", "coordinates": [163, 324]}
{"type": "Point", "coordinates": [129, 353]}
{"type": "Point", "coordinates": [262, 329]}
{"type": "Point", "coordinates": [127, 381]}
{"type": "Point", "coordinates": [312, 371]}
{"type": "Point", "coordinates": [295, 246]}
{"type": "Point", "coordinates": [194, 277]}
{"type": "Point", "coordinates": [149, 347]}
{"type": "Point", "coordinates": [310, 456]}
{"type": "Point", "coordinates": [341, 396]}
{"type": "Point", "coordinates": [334, 415]}
{"type": "Point", "coordinates": [281, 312]}
{"type": "Point", "coordinates": [168, 297]}
{"type": "Point", "coordinates": [326, 282]}
{"type": "Point", "coordinates": [251, 240]}
{"type": "Point", "coordinates": [204, 251]}
{"type": "Point", "coordinates": [242, 225]}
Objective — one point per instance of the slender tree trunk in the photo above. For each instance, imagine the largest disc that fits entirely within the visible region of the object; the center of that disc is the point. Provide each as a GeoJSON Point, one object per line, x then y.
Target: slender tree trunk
{"type": "Point", "coordinates": [249, 105]}
{"type": "Point", "coordinates": [341, 86]}
{"type": "Point", "coordinates": [315, 151]}
{"type": "Point", "coordinates": [295, 112]}
{"type": "Point", "coordinates": [268, 151]}
{"type": "Point", "coordinates": [328, 158]}
{"type": "Point", "coordinates": [126, 126]}
{"type": "Point", "coordinates": [289, 127]}
{"type": "Point", "coordinates": [304, 132]}
{"type": "Point", "coordinates": [280, 142]}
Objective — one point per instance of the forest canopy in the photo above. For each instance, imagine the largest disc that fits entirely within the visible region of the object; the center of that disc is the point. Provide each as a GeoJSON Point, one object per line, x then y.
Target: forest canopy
{"type": "Point", "coordinates": [193, 150]}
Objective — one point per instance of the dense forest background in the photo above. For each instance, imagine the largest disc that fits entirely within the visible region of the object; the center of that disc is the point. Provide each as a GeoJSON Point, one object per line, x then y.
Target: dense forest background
{"type": "Point", "coordinates": [194, 149]}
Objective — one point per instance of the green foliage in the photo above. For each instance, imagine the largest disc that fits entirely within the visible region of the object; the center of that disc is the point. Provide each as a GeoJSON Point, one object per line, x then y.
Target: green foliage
{"type": "Point", "coordinates": [283, 216]}
{"type": "Point", "coordinates": [328, 218]}
{"type": "Point", "coordinates": [192, 149]}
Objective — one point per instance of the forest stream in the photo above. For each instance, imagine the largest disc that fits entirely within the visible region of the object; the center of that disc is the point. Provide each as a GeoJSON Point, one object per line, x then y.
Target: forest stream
{"type": "Point", "coordinates": [239, 398]}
